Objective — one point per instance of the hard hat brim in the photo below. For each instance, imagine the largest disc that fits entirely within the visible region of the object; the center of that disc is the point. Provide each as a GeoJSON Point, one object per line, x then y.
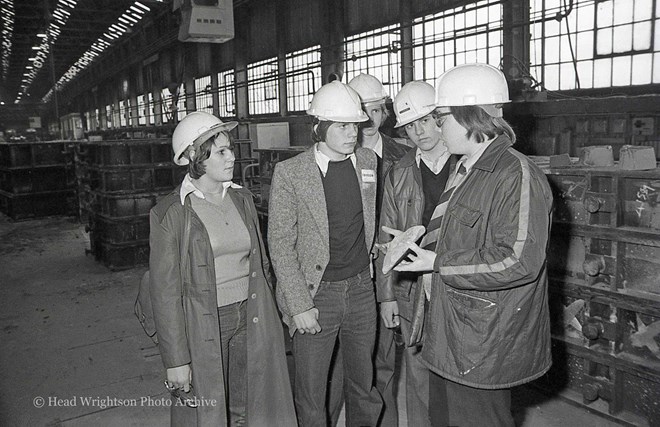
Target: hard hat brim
{"type": "Point", "coordinates": [426, 112]}
{"type": "Point", "coordinates": [377, 101]}
{"type": "Point", "coordinates": [212, 131]}
{"type": "Point", "coordinates": [352, 119]}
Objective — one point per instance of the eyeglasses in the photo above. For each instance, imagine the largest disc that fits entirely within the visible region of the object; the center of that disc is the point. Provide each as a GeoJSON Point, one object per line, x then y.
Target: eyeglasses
{"type": "Point", "coordinates": [440, 118]}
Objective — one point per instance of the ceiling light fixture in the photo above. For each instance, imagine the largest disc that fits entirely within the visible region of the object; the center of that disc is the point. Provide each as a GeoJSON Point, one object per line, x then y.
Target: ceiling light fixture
{"type": "Point", "coordinates": [7, 14]}
{"type": "Point", "coordinates": [140, 5]}
{"type": "Point", "coordinates": [129, 17]}
{"type": "Point", "coordinates": [114, 31]}
{"type": "Point", "coordinates": [61, 15]}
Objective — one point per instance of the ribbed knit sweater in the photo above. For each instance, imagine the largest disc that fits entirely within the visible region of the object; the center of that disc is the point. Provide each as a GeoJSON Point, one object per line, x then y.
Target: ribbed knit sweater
{"type": "Point", "coordinates": [230, 241]}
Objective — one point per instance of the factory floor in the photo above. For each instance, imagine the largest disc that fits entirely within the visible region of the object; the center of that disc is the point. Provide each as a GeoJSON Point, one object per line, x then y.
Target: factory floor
{"type": "Point", "coordinates": [73, 353]}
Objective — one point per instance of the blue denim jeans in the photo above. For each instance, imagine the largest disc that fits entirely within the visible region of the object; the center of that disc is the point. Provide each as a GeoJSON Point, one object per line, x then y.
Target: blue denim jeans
{"type": "Point", "coordinates": [347, 311]}
{"type": "Point", "coordinates": [233, 336]}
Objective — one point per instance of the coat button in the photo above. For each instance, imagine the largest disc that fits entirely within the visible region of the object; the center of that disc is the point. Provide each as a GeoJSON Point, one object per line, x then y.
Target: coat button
{"type": "Point", "coordinates": [318, 267]}
{"type": "Point", "coordinates": [255, 320]}
{"type": "Point", "coordinates": [254, 274]}
{"type": "Point", "coordinates": [310, 286]}
{"type": "Point", "coordinates": [253, 296]}
{"type": "Point", "coordinates": [254, 251]}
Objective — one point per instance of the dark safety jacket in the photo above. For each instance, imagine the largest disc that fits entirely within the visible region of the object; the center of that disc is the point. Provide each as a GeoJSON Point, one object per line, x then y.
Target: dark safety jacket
{"type": "Point", "coordinates": [186, 317]}
{"type": "Point", "coordinates": [488, 324]}
{"type": "Point", "coordinates": [402, 208]}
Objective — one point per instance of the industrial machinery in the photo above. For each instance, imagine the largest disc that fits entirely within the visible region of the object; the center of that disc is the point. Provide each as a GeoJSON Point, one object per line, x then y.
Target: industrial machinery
{"type": "Point", "coordinates": [604, 265]}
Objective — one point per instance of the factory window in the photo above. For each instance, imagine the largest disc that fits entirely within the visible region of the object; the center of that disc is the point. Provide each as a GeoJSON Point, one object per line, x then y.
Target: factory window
{"type": "Point", "coordinates": [595, 44]}
{"type": "Point", "coordinates": [108, 117]}
{"type": "Point", "coordinates": [142, 109]}
{"type": "Point", "coordinates": [122, 113]}
{"type": "Point", "coordinates": [203, 94]}
{"type": "Point", "coordinates": [116, 123]}
{"type": "Point", "coordinates": [88, 120]}
{"type": "Point", "coordinates": [263, 92]}
{"type": "Point", "coordinates": [303, 77]}
{"type": "Point", "coordinates": [95, 116]}
{"type": "Point", "coordinates": [465, 34]}
{"type": "Point", "coordinates": [149, 109]}
{"type": "Point", "coordinates": [377, 53]}
{"type": "Point", "coordinates": [174, 103]}
{"type": "Point", "coordinates": [226, 94]}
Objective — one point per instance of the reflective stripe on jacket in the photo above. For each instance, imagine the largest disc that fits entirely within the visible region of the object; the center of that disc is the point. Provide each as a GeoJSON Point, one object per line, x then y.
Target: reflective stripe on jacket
{"type": "Point", "coordinates": [488, 322]}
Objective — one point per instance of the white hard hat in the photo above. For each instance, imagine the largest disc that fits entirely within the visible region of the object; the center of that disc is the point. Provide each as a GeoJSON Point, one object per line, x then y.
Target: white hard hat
{"type": "Point", "coordinates": [337, 102]}
{"type": "Point", "coordinates": [196, 127]}
{"type": "Point", "coordinates": [414, 101]}
{"type": "Point", "coordinates": [473, 84]}
{"type": "Point", "coordinates": [369, 88]}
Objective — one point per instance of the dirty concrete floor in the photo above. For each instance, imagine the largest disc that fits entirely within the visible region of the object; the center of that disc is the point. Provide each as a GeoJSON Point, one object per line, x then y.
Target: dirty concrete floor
{"type": "Point", "coordinates": [73, 353]}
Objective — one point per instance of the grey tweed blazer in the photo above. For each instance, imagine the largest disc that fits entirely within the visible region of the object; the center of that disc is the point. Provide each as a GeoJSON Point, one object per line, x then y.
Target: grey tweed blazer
{"type": "Point", "coordinates": [298, 236]}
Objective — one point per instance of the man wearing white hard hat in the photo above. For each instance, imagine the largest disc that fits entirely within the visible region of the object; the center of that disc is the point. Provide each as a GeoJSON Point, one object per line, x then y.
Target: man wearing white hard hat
{"type": "Point", "coordinates": [374, 97]}
{"type": "Point", "coordinates": [412, 190]}
{"type": "Point", "coordinates": [321, 230]}
{"type": "Point", "coordinates": [487, 327]}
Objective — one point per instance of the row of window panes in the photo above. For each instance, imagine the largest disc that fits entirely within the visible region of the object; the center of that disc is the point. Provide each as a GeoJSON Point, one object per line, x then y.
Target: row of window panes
{"type": "Point", "coordinates": [598, 44]}
{"type": "Point", "coordinates": [303, 77]}
{"type": "Point", "coordinates": [203, 94]}
{"type": "Point", "coordinates": [471, 33]}
{"type": "Point", "coordinates": [377, 53]}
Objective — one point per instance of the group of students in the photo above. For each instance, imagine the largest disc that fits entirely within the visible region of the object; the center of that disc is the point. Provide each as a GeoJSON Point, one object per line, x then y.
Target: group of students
{"type": "Point", "coordinates": [468, 303]}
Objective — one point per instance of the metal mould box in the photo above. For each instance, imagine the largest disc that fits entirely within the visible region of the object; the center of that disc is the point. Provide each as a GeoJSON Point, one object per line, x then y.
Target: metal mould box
{"type": "Point", "coordinates": [30, 154]}
{"type": "Point", "coordinates": [38, 205]}
{"type": "Point", "coordinates": [125, 152]}
{"type": "Point", "coordinates": [120, 256]}
{"type": "Point", "coordinates": [37, 179]}
{"type": "Point", "coordinates": [118, 230]}
{"type": "Point", "coordinates": [133, 178]}
{"type": "Point", "coordinates": [122, 205]}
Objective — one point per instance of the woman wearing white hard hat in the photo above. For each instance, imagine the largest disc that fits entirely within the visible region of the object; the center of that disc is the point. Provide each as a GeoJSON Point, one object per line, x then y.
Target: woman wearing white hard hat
{"type": "Point", "coordinates": [219, 333]}
{"type": "Point", "coordinates": [321, 224]}
{"type": "Point", "coordinates": [487, 328]}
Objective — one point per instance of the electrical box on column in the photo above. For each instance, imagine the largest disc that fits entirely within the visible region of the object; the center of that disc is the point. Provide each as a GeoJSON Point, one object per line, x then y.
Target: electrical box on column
{"type": "Point", "coordinates": [205, 21]}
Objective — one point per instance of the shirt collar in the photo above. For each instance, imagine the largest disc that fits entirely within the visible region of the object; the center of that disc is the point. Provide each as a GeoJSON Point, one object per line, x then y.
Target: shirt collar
{"type": "Point", "coordinates": [322, 160]}
{"type": "Point", "coordinates": [378, 148]}
{"type": "Point", "coordinates": [188, 187]}
{"type": "Point", "coordinates": [435, 166]}
{"type": "Point", "coordinates": [469, 161]}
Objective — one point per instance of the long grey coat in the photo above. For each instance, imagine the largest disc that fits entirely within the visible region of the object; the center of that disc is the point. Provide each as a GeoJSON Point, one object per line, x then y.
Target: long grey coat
{"type": "Point", "coordinates": [186, 318]}
{"type": "Point", "coordinates": [298, 235]}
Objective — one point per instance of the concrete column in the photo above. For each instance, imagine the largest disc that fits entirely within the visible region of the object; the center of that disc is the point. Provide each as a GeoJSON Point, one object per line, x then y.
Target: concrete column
{"type": "Point", "coordinates": [332, 44]}
{"type": "Point", "coordinates": [515, 37]}
{"type": "Point", "coordinates": [406, 43]}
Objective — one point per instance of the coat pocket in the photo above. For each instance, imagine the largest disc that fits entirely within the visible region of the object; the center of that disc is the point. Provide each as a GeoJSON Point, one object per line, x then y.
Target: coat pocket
{"type": "Point", "coordinates": [464, 215]}
{"type": "Point", "coordinates": [470, 327]}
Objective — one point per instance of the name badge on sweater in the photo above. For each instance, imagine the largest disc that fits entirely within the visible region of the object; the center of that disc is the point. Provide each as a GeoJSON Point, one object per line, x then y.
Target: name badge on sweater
{"type": "Point", "coordinates": [368, 175]}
